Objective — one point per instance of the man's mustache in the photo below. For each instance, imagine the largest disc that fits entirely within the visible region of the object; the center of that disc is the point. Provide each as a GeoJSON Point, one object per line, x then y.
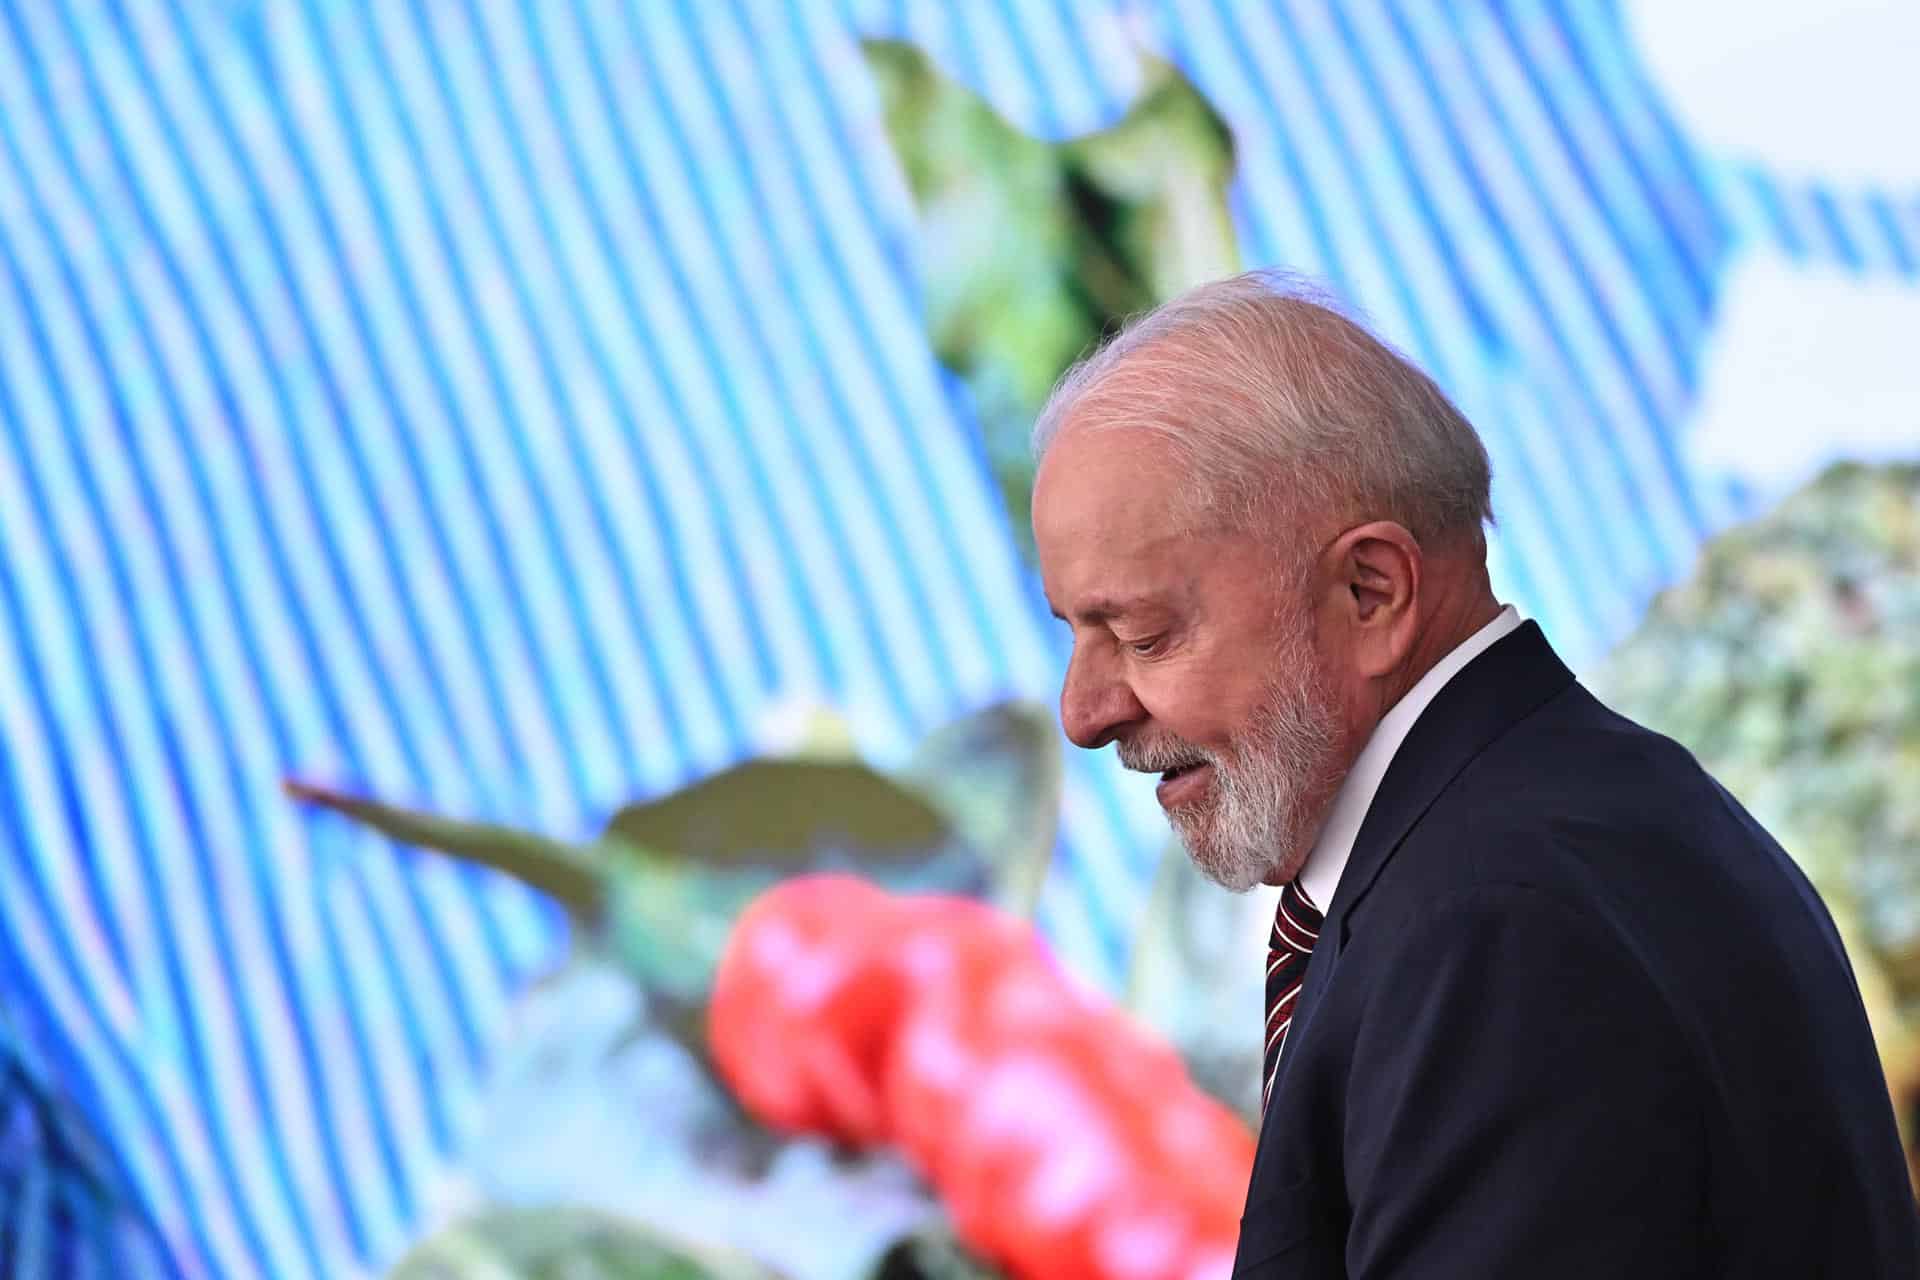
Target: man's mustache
{"type": "Point", "coordinates": [1158, 756]}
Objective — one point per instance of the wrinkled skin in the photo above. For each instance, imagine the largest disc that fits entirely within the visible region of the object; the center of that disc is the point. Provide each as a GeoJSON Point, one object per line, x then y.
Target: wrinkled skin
{"type": "Point", "coordinates": [1247, 663]}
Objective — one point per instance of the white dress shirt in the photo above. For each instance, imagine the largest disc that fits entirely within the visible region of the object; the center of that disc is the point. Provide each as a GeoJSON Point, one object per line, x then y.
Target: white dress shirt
{"type": "Point", "coordinates": [1321, 876]}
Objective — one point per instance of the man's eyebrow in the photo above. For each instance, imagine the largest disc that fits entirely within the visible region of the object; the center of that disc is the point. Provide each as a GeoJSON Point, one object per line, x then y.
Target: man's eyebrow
{"type": "Point", "coordinates": [1103, 608]}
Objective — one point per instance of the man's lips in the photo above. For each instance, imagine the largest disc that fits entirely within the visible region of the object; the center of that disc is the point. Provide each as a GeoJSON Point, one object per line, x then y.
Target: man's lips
{"type": "Point", "coordinates": [1182, 783]}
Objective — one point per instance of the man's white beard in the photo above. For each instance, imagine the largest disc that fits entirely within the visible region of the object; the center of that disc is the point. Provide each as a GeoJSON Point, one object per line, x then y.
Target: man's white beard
{"type": "Point", "coordinates": [1267, 796]}
{"type": "Point", "coordinates": [1266, 801]}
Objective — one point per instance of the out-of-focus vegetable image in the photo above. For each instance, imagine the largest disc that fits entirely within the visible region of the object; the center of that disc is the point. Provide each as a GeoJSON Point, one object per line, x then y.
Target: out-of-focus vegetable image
{"type": "Point", "coordinates": [1789, 663]}
{"type": "Point", "coordinates": [530, 729]}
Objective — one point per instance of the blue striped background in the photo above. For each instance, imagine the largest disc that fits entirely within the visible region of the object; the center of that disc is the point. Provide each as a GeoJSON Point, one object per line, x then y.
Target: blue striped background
{"type": "Point", "coordinates": [503, 408]}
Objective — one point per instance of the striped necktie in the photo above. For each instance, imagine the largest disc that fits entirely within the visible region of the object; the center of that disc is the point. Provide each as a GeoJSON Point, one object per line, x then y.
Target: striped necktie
{"type": "Point", "coordinates": [1296, 926]}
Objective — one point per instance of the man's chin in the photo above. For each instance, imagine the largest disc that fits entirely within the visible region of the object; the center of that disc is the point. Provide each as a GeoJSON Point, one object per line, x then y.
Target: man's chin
{"type": "Point", "coordinates": [1233, 881]}
{"type": "Point", "coordinates": [1235, 876]}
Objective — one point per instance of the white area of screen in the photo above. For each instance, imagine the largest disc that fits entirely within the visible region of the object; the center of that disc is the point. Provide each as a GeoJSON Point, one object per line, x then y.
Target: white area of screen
{"type": "Point", "coordinates": [1823, 89]}
{"type": "Point", "coordinates": [1805, 366]}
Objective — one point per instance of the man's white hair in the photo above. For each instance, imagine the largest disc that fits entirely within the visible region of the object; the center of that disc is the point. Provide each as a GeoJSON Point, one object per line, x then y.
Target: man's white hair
{"type": "Point", "coordinates": [1274, 398]}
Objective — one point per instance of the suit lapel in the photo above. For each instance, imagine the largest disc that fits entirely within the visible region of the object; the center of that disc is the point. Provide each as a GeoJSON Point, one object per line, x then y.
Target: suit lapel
{"type": "Point", "coordinates": [1490, 695]}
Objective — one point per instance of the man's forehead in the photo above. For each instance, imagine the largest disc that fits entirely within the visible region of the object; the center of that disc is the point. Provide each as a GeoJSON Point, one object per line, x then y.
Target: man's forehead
{"type": "Point", "coordinates": [1111, 545]}
{"type": "Point", "coordinates": [1104, 473]}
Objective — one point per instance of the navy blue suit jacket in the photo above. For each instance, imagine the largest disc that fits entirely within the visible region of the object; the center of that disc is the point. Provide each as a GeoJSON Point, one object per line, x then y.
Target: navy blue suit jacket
{"type": "Point", "coordinates": [1573, 1013]}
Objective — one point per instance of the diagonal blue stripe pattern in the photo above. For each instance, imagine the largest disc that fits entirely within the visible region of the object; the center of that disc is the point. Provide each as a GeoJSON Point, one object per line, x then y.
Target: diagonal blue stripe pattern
{"type": "Point", "coordinates": [508, 407]}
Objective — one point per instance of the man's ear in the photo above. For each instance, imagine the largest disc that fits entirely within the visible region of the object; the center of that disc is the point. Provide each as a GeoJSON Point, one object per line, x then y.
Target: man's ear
{"type": "Point", "coordinates": [1377, 570]}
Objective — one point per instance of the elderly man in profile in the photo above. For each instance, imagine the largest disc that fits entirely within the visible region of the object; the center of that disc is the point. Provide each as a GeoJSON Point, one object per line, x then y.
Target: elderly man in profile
{"type": "Point", "coordinates": [1544, 1001]}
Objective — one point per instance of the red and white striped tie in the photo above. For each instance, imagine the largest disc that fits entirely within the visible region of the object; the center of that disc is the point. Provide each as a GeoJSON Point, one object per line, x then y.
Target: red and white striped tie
{"type": "Point", "coordinates": [1296, 927]}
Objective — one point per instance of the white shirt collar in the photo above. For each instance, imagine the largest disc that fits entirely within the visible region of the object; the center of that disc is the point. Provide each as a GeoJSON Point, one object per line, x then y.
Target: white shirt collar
{"type": "Point", "coordinates": [1321, 876]}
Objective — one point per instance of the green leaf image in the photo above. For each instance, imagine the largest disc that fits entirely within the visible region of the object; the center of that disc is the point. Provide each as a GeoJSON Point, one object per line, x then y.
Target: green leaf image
{"type": "Point", "coordinates": [657, 893]}
{"type": "Point", "coordinates": [779, 813]}
{"type": "Point", "coordinates": [562, 871]}
{"type": "Point", "coordinates": [932, 1253]}
{"type": "Point", "coordinates": [564, 1244]}
{"type": "Point", "coordinates": [995, 775]}
{"type": "Point", "coordinates": [1041, 249]}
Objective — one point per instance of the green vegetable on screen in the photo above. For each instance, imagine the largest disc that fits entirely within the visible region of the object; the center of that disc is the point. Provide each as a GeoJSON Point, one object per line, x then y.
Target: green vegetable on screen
{"type": "Point", "coordinates": [1037, 250]}
{"type": "Point", "coordinates": [1789, 663]}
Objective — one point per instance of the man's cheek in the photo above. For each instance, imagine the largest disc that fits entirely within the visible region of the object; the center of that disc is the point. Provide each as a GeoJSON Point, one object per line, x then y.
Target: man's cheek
{"type": "Point", "coordinates": [1193, 712]}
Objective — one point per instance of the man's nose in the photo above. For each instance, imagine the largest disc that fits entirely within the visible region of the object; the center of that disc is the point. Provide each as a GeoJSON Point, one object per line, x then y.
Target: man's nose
{"type": "Point", "coordinates": [1095, 702]}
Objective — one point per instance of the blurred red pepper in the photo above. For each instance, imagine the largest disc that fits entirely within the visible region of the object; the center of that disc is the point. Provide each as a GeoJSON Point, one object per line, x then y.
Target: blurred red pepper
{"type": "Point", "coordinates": [1066, 1141]}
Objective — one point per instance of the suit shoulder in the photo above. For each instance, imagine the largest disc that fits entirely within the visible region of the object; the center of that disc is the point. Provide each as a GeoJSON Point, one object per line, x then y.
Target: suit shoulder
{"type": "Point", "coordinates": [1576, 775]}
{"type": "Point", "coordinates": [1577, 746]}
{"type": "Point", "coordinates": [1602, 813]}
